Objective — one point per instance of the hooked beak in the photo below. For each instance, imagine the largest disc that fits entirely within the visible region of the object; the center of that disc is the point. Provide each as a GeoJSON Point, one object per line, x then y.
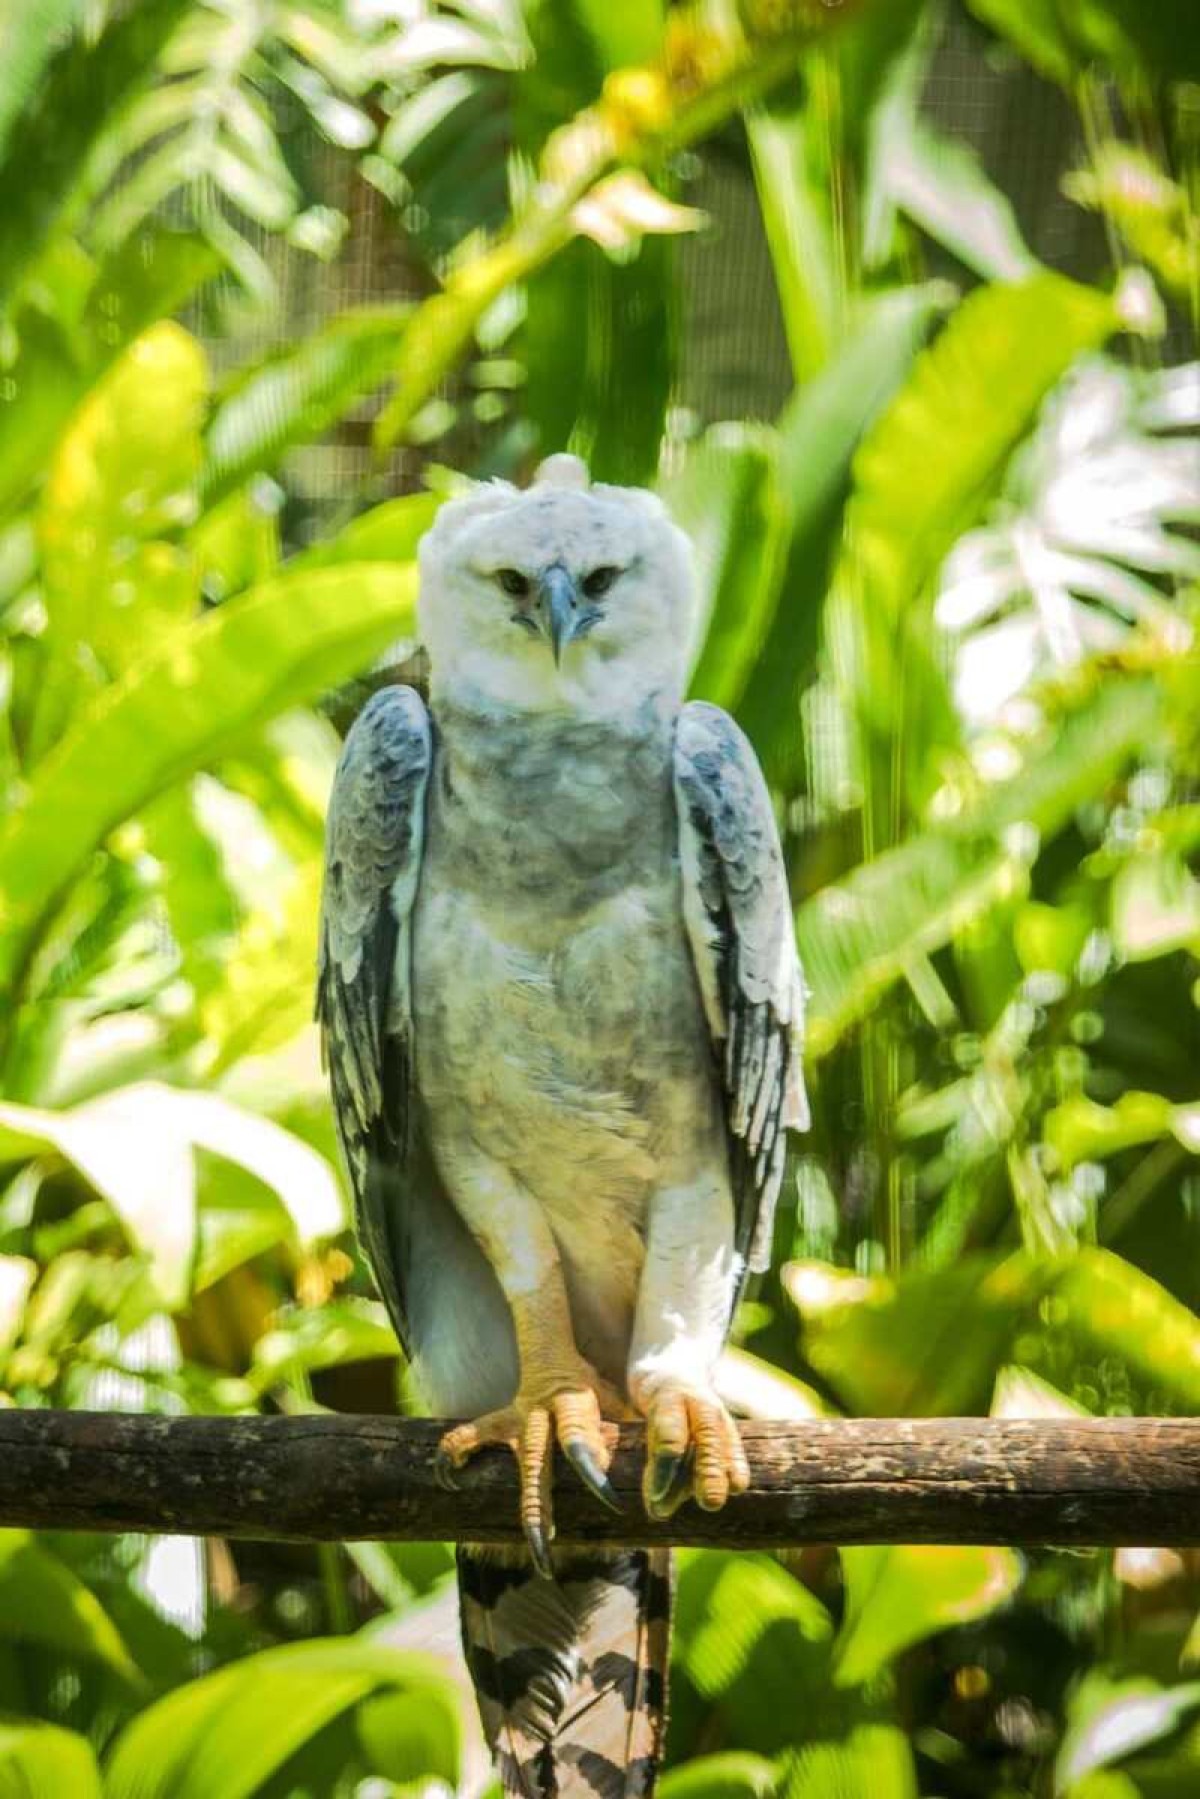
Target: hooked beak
{"type": "Point", "coordinates": [558, 608]}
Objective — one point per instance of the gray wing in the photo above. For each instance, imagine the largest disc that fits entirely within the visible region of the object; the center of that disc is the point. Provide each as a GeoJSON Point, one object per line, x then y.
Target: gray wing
{"type": "Point", "coordinates": [374, 837]}
{"type": "Point", "coordinates": [739, 923]}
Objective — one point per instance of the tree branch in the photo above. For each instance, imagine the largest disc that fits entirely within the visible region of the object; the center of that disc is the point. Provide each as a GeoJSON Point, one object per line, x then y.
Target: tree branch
{"type": "Point", "coordinates": [952, 1480]}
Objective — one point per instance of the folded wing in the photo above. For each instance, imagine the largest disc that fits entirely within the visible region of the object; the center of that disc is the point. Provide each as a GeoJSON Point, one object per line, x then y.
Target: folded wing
{"type": "Point", "coordinates": [739, 922]}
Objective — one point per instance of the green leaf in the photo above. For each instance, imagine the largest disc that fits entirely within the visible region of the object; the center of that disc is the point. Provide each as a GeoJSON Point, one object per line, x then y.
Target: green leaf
{"type": "Point", "coordinates": [122, 481]}
{"type": "Point", "coordinates": [942, 186]}
{"type": "Point", "coordinates": [386, 533]}
{"type": "Point", "coordinates": [859, 936]}
{"type": "Point", "coordinates": [1079, 1130]}
{"type": "Point", "coordinates": [42, 1601]}
{"type": "Point", "coordinates": [726, 496]}
{"type": "Point", "coordinates": [56, 365]}
{"type": "Point", "coordinates": [818, 432]}
{"type": "Point", "coordinates": [136, 1147]}
{"type": "Point", "coordinates": [750, 1638]}
{"type": "Point", "coordinates": [974, 393]}
{"type": "Point", "coordinates": [1155, 906]}
{"type": "Point", "coordinates": [230, 1731]}
{"type": "Point", "coordinates": [600, 337]}
{"type": "Point", "coordinates": [1109, 1719]}
{"type": "Point", "coordinates": [925, 1345]}
{"type": "Point", "coordinates": [42, 1761]}
{"type": "Point", "coordinates": [412, 1737]}
{"type": "Point", "coordinates": [298, 393]}
{"type": "Point", "coordinates": [1131, 37]}
{"type": "Point", "coordinates": [897, 1595]}
{"type": "Point", "coordinates": [736, 1774]}
{"type": "Point", "coordinates": [88, 84]}
{"type": "Point", "coordinates": [1108, 1307]}
{"type": "Point", "coordinates": [180, 709]}
{"type": "Point", "coordinates": [872, 1758]}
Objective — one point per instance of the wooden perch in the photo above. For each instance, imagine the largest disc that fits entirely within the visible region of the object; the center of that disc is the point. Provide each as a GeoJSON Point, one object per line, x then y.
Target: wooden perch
{"type": "Point", "coordinates": [946, 1480]}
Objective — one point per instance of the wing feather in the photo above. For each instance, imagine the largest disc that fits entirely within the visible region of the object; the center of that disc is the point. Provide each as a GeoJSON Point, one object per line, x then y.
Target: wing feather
{"type": "Point", "coordinates": [374, 840]}
{"type": "Point", "coordinates": [739, 922]}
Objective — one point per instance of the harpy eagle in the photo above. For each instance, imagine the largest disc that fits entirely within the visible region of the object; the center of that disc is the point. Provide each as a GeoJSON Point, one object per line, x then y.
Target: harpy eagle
{"type": "Point", "coordinates": [562, 1014]}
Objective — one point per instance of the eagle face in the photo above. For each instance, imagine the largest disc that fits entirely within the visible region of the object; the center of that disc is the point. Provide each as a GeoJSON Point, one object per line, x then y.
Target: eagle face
{"type": "Point", "coordinates": [565, 596]}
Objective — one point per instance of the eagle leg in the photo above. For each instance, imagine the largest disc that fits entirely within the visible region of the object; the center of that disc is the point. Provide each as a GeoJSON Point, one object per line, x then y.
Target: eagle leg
{"type": "Point", "coordinates": [693, 1448]}
{"type": "Point", "coordinates": [575, 1415]}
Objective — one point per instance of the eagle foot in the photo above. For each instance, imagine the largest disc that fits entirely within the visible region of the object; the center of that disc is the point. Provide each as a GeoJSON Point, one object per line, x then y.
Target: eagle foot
{"type": "Point", "coordinates": [694, 1449]}
{"type": "Point", "coordinates": [528, 1428]}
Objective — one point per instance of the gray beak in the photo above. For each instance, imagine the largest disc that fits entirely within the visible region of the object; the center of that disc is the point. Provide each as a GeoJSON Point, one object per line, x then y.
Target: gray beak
{"type": "Point", "coordinates": [558, 608]}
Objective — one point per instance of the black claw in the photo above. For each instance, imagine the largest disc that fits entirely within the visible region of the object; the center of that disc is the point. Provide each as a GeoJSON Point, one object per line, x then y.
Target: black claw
{"type": "Point", "coordinates": [592, 1475]}
{"type": "Point", "coordinates": [444, 1472]}
{"type": "Point", "coordinates": [664, 1473]}
{"type": "Point", "coordinates": [670, 1483]}
{"type": "Point", "coordinates": [539, 1549]}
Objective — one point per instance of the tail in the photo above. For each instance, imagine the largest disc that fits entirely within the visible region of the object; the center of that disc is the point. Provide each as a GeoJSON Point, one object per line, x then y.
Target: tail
{"type": "Point", "coordinates": [570, 1673]}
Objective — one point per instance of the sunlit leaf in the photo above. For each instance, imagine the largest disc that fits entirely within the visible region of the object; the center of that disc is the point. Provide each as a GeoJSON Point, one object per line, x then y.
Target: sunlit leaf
{"type": "Point", "coordinates": [42, 1601]}
{"type": "Point", "coordinates": [181, 708]}
{"type": "Point", "coordinates": [736, 1774]}
{"type": "Point", "coordinates": [871, 1758]}
{"type": "Point", "coordinates": [87, 82]}
{"type": "Point", "coordinates": [42, 1761]}
{"type": "Point", "coordinates": [1110, 1719]}
{"type": "Point", "coordinates": [898, 1594]}
{"type": "Point", "coordinates": [229, 1731]}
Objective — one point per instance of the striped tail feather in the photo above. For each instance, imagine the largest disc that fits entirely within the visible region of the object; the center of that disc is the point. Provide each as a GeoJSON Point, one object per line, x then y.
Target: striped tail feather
{"type": "Point", "coordinates": [570, 1674]}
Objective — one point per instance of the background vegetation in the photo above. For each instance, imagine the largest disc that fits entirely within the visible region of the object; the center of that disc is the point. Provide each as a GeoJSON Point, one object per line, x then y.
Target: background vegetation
{"type": "Point", "coordinates": [944, 497]}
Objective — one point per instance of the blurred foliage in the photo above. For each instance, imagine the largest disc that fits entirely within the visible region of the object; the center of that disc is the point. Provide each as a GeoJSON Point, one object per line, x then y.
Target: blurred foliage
{"type": "Point", "coordinates": [951, 592]}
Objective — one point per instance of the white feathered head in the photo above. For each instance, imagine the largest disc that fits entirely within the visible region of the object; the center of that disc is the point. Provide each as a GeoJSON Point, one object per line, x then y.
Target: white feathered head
{"type": "Point", "coordinates": [565, 595]}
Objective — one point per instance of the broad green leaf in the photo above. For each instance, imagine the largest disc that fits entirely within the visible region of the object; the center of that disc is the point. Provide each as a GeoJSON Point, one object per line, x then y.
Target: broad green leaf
{"type": "Point", "coordinates": [1155, 906]}
{"type": "Point", "coordinates": [862, 934]}
{"type": "Point", "coordinates": [55, 366]}
{"type": "Point", "coordinates": [727, 497]}
{"type": "Point", "coordinates": [974, 393]}
{"type": "Point", "coordinates": [42, 1761]}
{"type": "Point", "coordinates": [818, 433]}
{"type": "Point", "coordinates": [924, 1345]}
{"type": "Point", "coordinates": [136, 1147]}
{"type": "Point", "coordinates": [179, 710]}
{"type": "Point", "coordinates": [899, 1594]}
{"type": "Point", "coordinates": [871, 1759]}
{"type": "Point", "coordinates": [735, 1774]}
{"type": "Point", "coordinates": [412, 1737]}
{"type": "Point", "coordinates": [386, 533]}
{"type": "Point", "coordinates": [942, 186]}
{"type": "Point", "coordinates": [1108, 1307]}
{"type": "Point", "coordinates": [122, 481]}
{"type": "Point", "coordinates": [1079, 1130]}
{"type": "Point", "coordinates": [1109, 1719]}
{"type": "Point", "coordinates": [1131, 37]}
{"type": "Point", "coordinates": [297, 394]}
{"type": "Point", "coordinates": [32, 37]}
{"type": "Point", "coordinates": [42, 1601]}
{"type": "Point", "coordinates": [87, 85]}
{"type": "Point", "coordinates": [599, 333]}
{"type": "Point", "coordinates": [133, 1155]}
{"type": "Point", "coordinates": [228, 1732]}
{"type": "Point", "coordinates": [751, 1640]}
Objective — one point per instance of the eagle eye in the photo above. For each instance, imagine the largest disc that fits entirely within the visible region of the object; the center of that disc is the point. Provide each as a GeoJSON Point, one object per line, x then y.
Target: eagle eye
{"type": "Point", "coordinates": [513, 582]}
{"type": "Point", "coordinates": [599, 581]}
